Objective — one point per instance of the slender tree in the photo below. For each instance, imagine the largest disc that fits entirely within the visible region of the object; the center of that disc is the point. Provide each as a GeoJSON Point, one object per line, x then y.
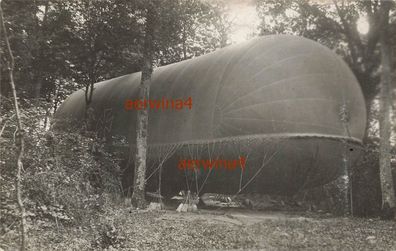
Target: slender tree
{"type": "Point", "coordinates": [140, 151]}
{"type": "Point", "coordinates": [19, 134]}
{"type": "Point", "coordinates": [388, 192]}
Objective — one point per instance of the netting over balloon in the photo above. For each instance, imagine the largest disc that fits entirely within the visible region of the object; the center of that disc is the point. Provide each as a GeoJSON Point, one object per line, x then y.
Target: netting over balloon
{"type": "Point", "coordinates": [287, 104]}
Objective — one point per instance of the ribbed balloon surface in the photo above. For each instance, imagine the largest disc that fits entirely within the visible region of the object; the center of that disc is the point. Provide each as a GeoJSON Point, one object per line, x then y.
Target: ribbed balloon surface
{"type": "Point", "coordinates": [286, 94]}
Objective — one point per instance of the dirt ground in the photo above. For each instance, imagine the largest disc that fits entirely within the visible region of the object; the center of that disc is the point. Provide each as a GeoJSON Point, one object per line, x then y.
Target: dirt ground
{"type": "Point", "coordinates": [235, 229]}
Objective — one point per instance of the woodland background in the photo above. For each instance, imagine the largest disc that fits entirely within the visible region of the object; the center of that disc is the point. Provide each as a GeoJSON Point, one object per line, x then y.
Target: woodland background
{"type": "Point", "coordinates": [62, 46]}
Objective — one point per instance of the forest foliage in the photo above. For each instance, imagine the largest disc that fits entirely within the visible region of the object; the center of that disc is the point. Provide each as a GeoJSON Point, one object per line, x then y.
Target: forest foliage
{"type": "Point", "coordinates": [61, 46]}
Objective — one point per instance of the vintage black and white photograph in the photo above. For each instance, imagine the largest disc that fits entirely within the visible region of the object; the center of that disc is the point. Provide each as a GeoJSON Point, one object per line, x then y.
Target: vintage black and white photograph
{"type": "Point", "coordinates": [197, 125]}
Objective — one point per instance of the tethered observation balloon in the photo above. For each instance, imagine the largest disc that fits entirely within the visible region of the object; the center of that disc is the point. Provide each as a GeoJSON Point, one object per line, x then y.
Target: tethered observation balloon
{"type": "Point", "coordinates": [289, 105]}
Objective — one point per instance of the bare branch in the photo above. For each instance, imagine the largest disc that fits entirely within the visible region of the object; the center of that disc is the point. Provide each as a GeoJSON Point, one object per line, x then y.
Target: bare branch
{"type": "Point", "coordinates": [5, 123]}
{"type": "Point", "coordinates": [20, 143]}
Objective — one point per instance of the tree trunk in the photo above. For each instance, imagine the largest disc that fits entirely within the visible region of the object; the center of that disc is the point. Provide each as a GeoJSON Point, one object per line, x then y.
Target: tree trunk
{"type": "Point", "coordinates": [19, 135]}
{"type": "Point", "coordinates": [388, 194]}
{"type": "Point", "coordinates": [138, 196]}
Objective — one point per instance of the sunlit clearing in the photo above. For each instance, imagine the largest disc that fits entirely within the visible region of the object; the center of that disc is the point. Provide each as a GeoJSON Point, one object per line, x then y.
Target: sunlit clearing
{"type": "Point", "coordinates": [363, 25]}
{"type": "Point", "coordinates": [244, 20]}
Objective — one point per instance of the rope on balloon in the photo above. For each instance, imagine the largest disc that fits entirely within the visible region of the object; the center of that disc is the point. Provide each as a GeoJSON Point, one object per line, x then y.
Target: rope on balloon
{"type": "Point", "coordinates": [241, 174]}
{"type": "Point", "coordinates": [164, 154]}
{"type": "Point", "coordinates": [238, 152]}
{"type": "Point", "coordinates": [264, 164]}
{"type": "Point", "coordinates": [210, 154]}
{"type": "Point", "coordinates": [193, 153]}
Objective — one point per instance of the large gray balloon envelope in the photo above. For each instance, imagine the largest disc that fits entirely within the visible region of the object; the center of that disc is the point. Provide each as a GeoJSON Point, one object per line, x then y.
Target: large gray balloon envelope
{"type": "Point", "coordinates": [287, 104]}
